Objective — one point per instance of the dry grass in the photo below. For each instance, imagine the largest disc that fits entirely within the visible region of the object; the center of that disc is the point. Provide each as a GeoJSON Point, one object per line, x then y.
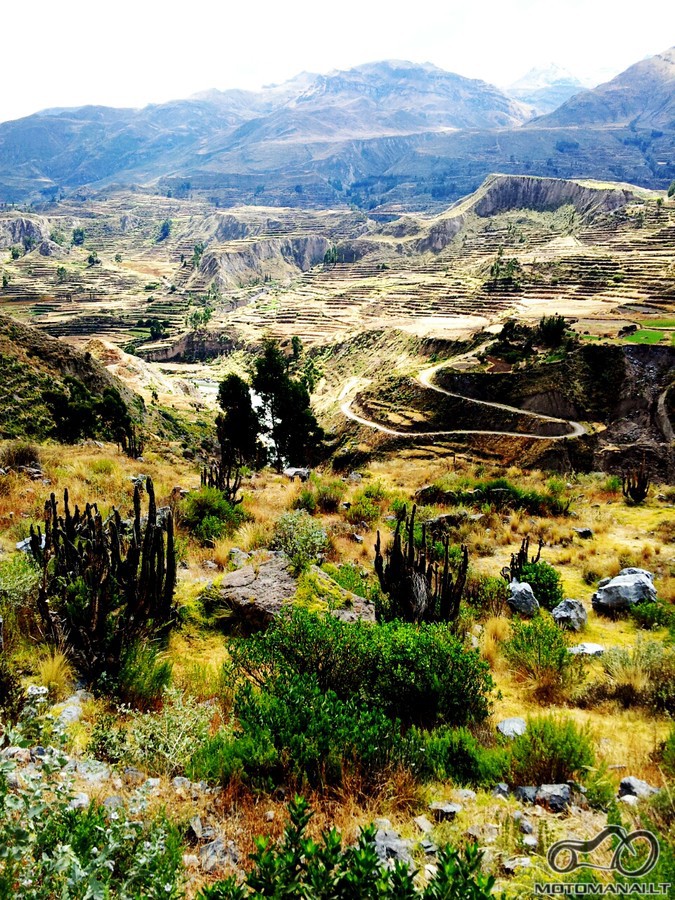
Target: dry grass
{"type": "Point", "coordinates": [55, 672]}
{"type": "Point", "coordinates": [495, 631]}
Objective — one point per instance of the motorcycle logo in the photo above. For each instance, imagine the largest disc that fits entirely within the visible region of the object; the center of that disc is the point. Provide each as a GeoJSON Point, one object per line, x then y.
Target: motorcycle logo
{"type": "Point", "coordinates": [563, 857]}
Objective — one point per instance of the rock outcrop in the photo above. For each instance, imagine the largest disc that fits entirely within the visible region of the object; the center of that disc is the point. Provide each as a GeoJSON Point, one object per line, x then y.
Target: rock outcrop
{"type": "Point", "coordinates": [631, 586]}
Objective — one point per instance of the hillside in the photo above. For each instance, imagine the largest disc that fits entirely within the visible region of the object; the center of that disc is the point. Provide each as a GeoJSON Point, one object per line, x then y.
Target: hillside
{"type": "Point", "coordinates": [45, 383]}
{"type": "Point", "coordinates": [545, 89]}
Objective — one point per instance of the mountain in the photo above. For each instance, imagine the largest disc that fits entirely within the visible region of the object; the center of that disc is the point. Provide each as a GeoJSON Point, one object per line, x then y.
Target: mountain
{"type": "Point", "coordinates": [68, 148]}
{"type": "Point", "coordinates": [642, 97]}
{"type": "Point", "coordinates": [379, 134]}
{"type": "Point", "coordinates": [545, 89]}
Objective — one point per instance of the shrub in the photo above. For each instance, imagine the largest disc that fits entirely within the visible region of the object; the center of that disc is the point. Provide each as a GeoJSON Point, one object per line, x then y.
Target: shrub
{"type": "Point", "coordinates": [19, 579]}
{"type": "Point", "coordinates": [419, 674]}
{"type": "Point", "coordinates": [11, 692]}
{"type": "Point", "coordinates": [487, 595]}
{"type": "Point", "coordinates": [143, 676]}
{"type": "Point", "coordinates": [19, 453]}
{"type": "Point", "coordinates": [668, 754]}
{"type": "Point", "coordinates": [301, 539]}
{"type": "Point", "coordinates": [162, 742]}
{"type": "Point", "coordinates": [500, 494]}
{"type": "Point", "coordinates": [208, 516]}
{"type": "Point", "coordinates": [353, 578]}
{"type": "Point", "coordinates": [454, 753]}
{"type": "Point", "coordinates": [551, 751]}
{"type": "Point", "coordinates": [538, 651]}
{"type": "Point", "coordinates": [300, 867]}
{"type": "Point", "coordinates": [306, 500]}
{"type": "Point", "coordinates": [329, 494]}
{"type": "Point", "coordinates": [649, 616]}
{"type": "Point", "coordinates": [52, 850]}
{"type": "Point", "coordinates": [545, 581]}
{"type": "Point", "coordinates": [363, 509]}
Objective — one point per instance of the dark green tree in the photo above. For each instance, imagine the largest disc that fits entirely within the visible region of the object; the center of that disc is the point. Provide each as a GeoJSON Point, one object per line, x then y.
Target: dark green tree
{"type": "Point", "coordinates": [238, 429]}
{"type": "Point", "coordinates": [164, 230]}
{"type": "Point", "coordinates": [78, 236]}
{"type": "Point", "coordinates": [288, 415]}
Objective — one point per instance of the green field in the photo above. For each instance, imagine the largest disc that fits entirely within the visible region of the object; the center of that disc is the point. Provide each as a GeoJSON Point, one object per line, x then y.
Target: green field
{"type": "Point", "coordinates": [659, 323]}
{"type": "Point", "coordinates": [644, 336]}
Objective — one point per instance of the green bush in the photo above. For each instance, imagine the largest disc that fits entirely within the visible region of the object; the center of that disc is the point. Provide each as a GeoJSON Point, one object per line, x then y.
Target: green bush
{"type": "Point", "coordinates": [668, 754]}
{"type": "Point", "coordinates": [420, 674]}
{"type": "Point", "coordinates": [300, 867]}
{"type": "Point", "coordinates": [455, 754]}
{"type": "Point", "coordinates": [487, 595]}
{"type": "Point", "coordinates": [302, 540]}
{"type": "Point", "coordinates": [545, 581]}
{"type": "Point", "coordinates": [208, 516]}
{"type": "Point", "coordinates": [50, 850]}
{"type": "Point", "coordinates": [143, 676]}
{"type": "Point", "coordinates": [11, 693]}
{"type": "Point", "coordinates": [352, 578]}
{"type": "Point", "coordinates": [500, 494]}
{"type": "Point", "coordinates": [650, 616]}
{"type": "Point", "coordinates": [539, 652]}
{"type": "Point", "coordinates": [551, 751]}
{"type": "Point", "coordinates": [19, 579]}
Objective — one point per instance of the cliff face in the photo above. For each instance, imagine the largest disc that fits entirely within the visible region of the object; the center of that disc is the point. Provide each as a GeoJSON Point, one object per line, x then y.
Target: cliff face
{"type": "Point", "coordinates": [15, 230]}
{"type": "Point", "coordinates": [277, 258]}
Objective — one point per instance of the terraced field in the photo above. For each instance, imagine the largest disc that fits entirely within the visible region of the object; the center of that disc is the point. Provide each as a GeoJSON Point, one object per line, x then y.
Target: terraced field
{"type": "Point", "coordinates": [261, 270]}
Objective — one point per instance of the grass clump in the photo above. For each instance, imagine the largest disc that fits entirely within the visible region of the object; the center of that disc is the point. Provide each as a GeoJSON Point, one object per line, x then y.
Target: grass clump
{"type": "Point", "coordinates": [143, 676]}
{"type": "Point", "coordinates": [56, 673]}
{"type": "Point", "coordinates": [20, 453]}
{"type": "Point", "coordinates": [538, 651]}
{"type": "Point", "coordinates": [551, 751]}
{"type": "Point", "coordinates": [456, 754]}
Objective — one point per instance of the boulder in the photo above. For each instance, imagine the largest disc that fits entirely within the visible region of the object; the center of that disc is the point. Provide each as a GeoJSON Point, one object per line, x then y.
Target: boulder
{"type": "Point", "coordinates": [587, 649]}
{"type": "Point", "coordinates": [556, 797]}
{"type": "Point", "coordinates": [631, 586]}
{"type": "Point", "coordinates": [256, 595]}
{"type": "Point", "coordinates": [584, 533]}
{"type": "Point", "coordinates": [512, 727]}
{"type": "Point", "coordinates": [391, 847]}
{"type": "Point", "coordinates": [517, 862]}
{"type": "Point", "coordinates": [522, 600]}
{"type": "Point", "coordinates": [300, 473]}
{"type": "Point", "coordinates": [217, 854]}
{"type": "Point", "coordinates": [526, 794]}
{"type": "Point", "coordinates": [570, 614]}
{"type": "Point", "coordinates": [632, 786]}
{"type": "Point", "coordinates": [424, 825]}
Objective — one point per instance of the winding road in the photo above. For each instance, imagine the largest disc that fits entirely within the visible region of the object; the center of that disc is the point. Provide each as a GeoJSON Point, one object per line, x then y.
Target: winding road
{"type": "Point", "coordinates": [425, 378]}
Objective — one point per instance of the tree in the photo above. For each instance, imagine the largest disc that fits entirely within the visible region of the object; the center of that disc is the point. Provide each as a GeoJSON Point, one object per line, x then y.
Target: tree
{"type": "Point", "coordinates": [78, 237]}
{"type": "Point", "coordinates": [238, 429]}
{"type": "Point", "coordinates": [289, 419]}
{"type": "Point", "coordinates": [671, 190]}
{"type": "Point", "coordinates": [164, 230]}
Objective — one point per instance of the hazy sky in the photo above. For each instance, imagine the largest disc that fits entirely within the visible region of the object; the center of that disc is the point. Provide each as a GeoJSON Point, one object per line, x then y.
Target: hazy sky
{"type": "Point", "coordinates": [134, 52]}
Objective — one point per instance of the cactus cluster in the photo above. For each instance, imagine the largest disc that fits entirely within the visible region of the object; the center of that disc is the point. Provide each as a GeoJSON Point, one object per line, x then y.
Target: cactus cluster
{"type": "Point", "coordinates": [419, 589]}
{"type": "Point", "coordinates": [105, 582]}
{"type": "Point", "coordinates": [514, 571]}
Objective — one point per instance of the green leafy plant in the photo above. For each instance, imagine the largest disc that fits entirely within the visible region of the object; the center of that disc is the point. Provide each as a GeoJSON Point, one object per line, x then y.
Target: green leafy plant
{"type": "Point", "coordinates": [208, 515]}
{"type": "Point", "coordinates": [143, 676]}
{"type": "Point", "coordinates": [455, 754]}
{"type": "Point", "coordinates": [545, 581]}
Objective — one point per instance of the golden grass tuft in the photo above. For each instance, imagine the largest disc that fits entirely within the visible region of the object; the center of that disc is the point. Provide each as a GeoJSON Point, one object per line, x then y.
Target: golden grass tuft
{"type": "Point", "coordinates": [495, 632]}
{"type": "Point", "coordinates": [55, 672]}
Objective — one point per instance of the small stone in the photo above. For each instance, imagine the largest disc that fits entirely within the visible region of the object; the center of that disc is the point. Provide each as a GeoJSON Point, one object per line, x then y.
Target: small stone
{"type": "Point", "coordinates": [530, 841]}
{"type": "Point", "coordinates": [584, 533]}
{"type": "Point", "coordinates": [515, 863]}
{"type": "Point", "coordinates": [113, 802]}
{"type": "Point", "coordinates": [390, 846]}
{"type": "Point", "coordinates": [269, 815]}
{"type": "Point", "coordinates": [512, 727]}
{"type": "Point", "coordinates": [444, 812]}
{"type": "Point", "coordinates": [153, 784]}
{"type": "Point", "coordinates": [80, 801]}
{"type": "Point", "coordinates": [357, 538]}
{"type": "Point", "coordinates": [501, 790]}
{"type": "Point", "coordinates": [196, 827]}
{"type": "Point", "coordinates": [429, 847]}
{"type": "Point", "coordinates": [37, 690]}
{"type": "Point", "coordinates": [526, 826]}
{"type": "Point", "coordinates": [133, 776]}
{"type": "Point", "coordinates": [181, 785]}
{"type": "Point", "coordinates": [430, 870]}
{"type": "Point", "coordinates": [629, 799]}
{"type": "Point", "coordinates": [218, 853]}
{"type": "Point", "coordinates": [424, 825]}
{"type": "Point", "coordinates": [20, 754]}
{"type": "Point", "coordinates": [466, 794]}
{"type": "Point", "coordinates": [587, 649]}
{"type": "Point", "coordinates": [190, 861]}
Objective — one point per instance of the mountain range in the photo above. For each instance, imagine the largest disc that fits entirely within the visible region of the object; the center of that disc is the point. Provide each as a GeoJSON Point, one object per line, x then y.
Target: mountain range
{"type": "Point", "coordinates": [381, 134]}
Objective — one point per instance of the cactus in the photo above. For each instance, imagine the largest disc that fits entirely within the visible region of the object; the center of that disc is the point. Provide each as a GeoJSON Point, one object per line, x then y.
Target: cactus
{"type": "Point", "coordinates": [514, 571]}
{"type": "Point", "coordinates": [105, 583]}
{"type": "Point", "coordinates": [635, 484]}
{"type": "Point", "coordinates": [132, 442]}
{"type": "Point", "coordinates": [419, 589]}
